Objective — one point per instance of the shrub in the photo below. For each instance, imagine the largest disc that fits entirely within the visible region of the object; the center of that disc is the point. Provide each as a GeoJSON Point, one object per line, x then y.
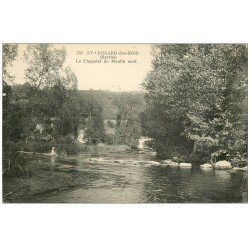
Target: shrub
{"type": "Point", "coordinates": [67, 145]}
{"type": "Point", "coordinates": [13, 161]}
{"type": "Point", "coordinates": [63, 145]}
{"type": "Point", "coordinates": [110, 139]}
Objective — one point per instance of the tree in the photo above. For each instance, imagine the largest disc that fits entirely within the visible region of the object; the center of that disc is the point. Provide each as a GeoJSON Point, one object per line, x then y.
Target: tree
{"type": "Point", "coordinates": [53, 87]}
{"type": "Point", "coordinates": [13, 120]}
{"type": "Point", "coordinates": [192, 99]}
{"type": "Point", "coordinates": [10, 52]}
{"type": "Point", "coordinates": [69, 114]}
{"type": "Point", "coordinates": [45, 64]}
{"type": "Point", "coordinates": [128, 123]}
{"type": "Point", "coordinates": [92, 110]}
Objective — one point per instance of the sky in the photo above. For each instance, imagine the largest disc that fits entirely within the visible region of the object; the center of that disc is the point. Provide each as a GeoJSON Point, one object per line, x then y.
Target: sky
{"type": "Point", "coordinates": [91, 73]}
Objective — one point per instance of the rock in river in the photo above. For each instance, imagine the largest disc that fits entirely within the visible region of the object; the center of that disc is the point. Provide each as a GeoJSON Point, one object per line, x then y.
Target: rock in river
{"type": "Point", "coordinates": [170, 163]}
{"type": "Point", "coordinates": [185, 165]}
{"type": "Point", "coordinates": [206, 166]}
{"type": "Point", "coordinates": [153, 162]}
{"type": "Point", "coordinates": [237, 169]}
{"type": "Point", "coordinates": [223, 165]}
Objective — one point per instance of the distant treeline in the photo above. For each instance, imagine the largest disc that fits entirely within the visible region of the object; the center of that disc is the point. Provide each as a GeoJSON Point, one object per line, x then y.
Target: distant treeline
{"type": "Point", "coordinates": [106, 99]}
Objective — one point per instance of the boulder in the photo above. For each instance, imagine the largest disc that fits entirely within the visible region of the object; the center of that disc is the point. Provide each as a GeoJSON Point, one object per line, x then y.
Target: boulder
{"type": "Point", "coordinates": [153, 162]}
{"type": "Point", "coordinates": [96, 159]}
{"type": "Point", "coordinates": [167, 161]}
{"type": "Point", "coordinates": [237, 169]}
{"type": "Point", "coordinates": [146, 163]}
{"type": "Point", "coordinates": [223, 165]}
{"type": "Point", "coordinates": [185, 165]}
{"type": "Point", "coordinates": [206, 166]}
{"type": "Point", "coordinates": [170, 163]}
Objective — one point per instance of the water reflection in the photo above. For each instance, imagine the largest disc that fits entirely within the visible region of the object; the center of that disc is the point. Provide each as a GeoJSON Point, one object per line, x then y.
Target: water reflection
{"type": "Point", "coordinates": [53, 160]}
{"type": "Point", "coordinates": [119, 183]}
{"type": "Point", "coordinates": [192, 185]}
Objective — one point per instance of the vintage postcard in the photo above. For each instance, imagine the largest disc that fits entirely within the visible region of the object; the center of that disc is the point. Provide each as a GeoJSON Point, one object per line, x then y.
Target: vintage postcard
{"type": "Point", "coordinates": [124, 123]}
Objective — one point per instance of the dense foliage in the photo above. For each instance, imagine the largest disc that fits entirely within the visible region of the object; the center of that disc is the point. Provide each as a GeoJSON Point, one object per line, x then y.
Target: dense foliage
{"type": "Point", "coordinates": [92, 112]}
{"type": "Point", "coordinates": [47, 109]}
{"type": "Point", "coordinates": [197, 101]}
{"type": "Point", "coordinates": [10, 52]}
{"type": "Point", "coordinates": [196, 105]}
{"type": "Point", "coordinates": [128, 123]}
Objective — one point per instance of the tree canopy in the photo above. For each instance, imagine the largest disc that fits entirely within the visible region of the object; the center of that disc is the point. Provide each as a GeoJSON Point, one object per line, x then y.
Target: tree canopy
{"type": "Point", "coordinates": [128, 123]}
{"type": "Point", "coordinates": [197, 99]}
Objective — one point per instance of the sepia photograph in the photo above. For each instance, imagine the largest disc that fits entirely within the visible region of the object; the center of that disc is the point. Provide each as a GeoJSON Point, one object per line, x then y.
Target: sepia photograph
{"type": "Point", "coordinates": [125, 123]}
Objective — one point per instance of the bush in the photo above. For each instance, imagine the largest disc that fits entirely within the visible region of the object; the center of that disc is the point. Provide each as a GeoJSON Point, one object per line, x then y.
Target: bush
{"type": "Point", "coordinates": [13, 161]}
{"type": "Point", "coordinates": [67, 145]}
{"type": "Point", "coordinates": [110, 139]}
{"type": "Point", "coordinates": [37, 146]}
{"type": "Point", "coordinates": [63, 145]}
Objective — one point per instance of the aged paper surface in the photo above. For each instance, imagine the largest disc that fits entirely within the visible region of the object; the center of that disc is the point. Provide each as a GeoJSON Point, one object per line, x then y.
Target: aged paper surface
{"type": "Point", "coordinates": [124, 123]}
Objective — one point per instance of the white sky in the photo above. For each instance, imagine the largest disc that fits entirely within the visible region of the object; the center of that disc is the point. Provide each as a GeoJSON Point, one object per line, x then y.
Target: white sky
{"type": "Point", "coordinates": [112, 76]}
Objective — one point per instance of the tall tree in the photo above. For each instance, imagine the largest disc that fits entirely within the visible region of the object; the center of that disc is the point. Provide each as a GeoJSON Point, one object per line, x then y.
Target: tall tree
{"type": "Point", "coordinates": [53, 88]}
{"type": "Point", "coordinates": [192, 99]}
{"type": "Point", "coordinates": [92, 111]}
{"type": "Point", "coordinates": [128, 123]}
{"type": "Point", "coordinates": [10, 52]}
{"type": "Point", "coordinates": [13, 119]}
{"type": "Point", "coordinates": [45, 64]}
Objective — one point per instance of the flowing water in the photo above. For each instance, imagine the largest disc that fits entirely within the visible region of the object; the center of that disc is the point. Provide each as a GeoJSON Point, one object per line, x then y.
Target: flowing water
{"type": "Point", "coordinates": [100, 182]}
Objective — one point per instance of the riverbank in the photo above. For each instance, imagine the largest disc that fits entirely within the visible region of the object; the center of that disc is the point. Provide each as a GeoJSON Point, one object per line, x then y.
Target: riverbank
{"type": "Point", "coordinates": [71, 148]}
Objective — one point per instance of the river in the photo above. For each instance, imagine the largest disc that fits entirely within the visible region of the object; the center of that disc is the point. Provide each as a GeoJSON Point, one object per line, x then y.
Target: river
{"type": "Point", "coordinates": [100, 182]}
